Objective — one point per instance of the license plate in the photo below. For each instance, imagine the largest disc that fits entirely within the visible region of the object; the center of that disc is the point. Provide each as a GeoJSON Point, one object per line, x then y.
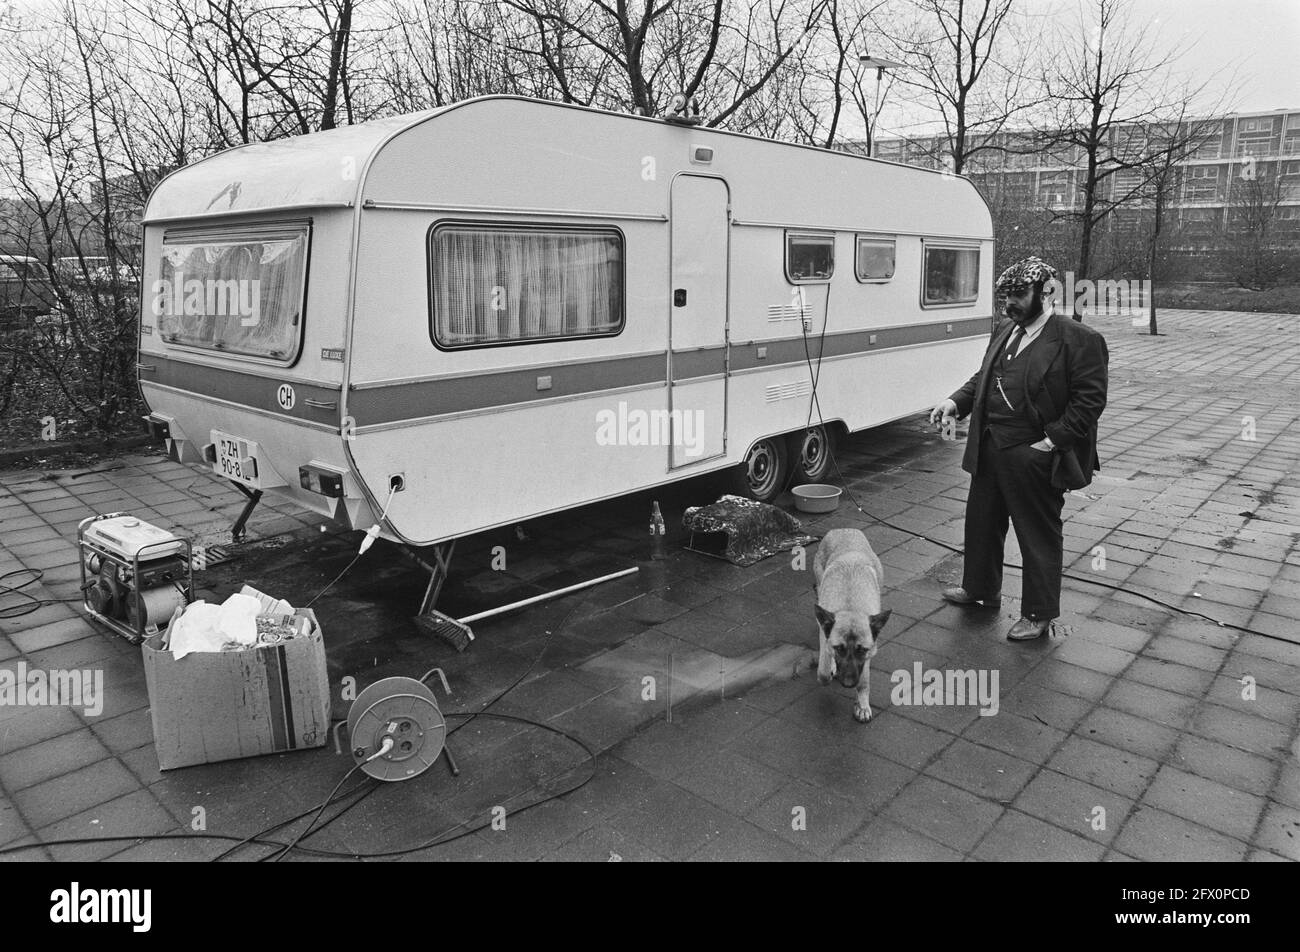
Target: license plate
{"type": "Point", "coordinates": [236, 459]}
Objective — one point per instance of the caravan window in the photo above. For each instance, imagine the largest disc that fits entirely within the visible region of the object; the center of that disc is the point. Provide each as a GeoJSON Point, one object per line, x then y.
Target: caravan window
{"type": "Point", "coordinates": [875, 259]}
{"type": "Point", "coordinates": [513, 284]}
{"type": "Point", "coordinates": [809, 258]}
{"type": "Point", "coordinates": [237, 291]}
{"type": "Point", "coordinates": [951, 276]}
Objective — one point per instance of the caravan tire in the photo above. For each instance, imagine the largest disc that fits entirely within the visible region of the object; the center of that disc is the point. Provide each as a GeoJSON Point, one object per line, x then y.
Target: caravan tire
{"type": "Point", "coordinates": [766, 470]}
{"type": "Point", "coordinates": [812, 454]}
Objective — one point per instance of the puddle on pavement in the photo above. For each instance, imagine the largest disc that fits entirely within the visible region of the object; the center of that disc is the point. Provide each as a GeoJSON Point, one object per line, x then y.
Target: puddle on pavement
{"type": "Point", "coordinates": [699, 671]}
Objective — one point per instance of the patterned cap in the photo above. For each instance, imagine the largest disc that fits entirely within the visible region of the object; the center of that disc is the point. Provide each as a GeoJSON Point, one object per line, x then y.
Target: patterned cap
{"type": "Point", "coordinates": [1026, 271]}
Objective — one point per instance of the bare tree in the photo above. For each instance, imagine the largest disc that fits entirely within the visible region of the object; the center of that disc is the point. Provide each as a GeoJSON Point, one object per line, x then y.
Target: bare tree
{"type": "Point", "coordinates": [742, 63]}
{"type": "Point", "coordinates": [57, 114]}
{"type": "Point", "coordinates": [1168, 145]}
{"type": "Point", "coordinates": [1107, 88]}
{"type": "Point", "coordinates": [967, 62]}
{"type": "Point", "coordinates": [627, 38]}
{"type": "Point", "coordinates": [259, 69]}
{"type": "Point", "coordinates": [1254, 258]}
{"type": "Point", "coordinates": [823, 79]}
{"type": "Point", "coordinates": [763, 60]}
{"type": "Point", "coordinates": [436, 52]}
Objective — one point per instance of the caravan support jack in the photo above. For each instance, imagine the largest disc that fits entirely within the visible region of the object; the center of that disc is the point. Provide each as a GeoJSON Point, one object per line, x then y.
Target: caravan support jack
{"type": "Point", "coordinates": [437, 571]}
{"type": "Point", "coordinates": [429, 618]}
{"type": "Point", "coordinates": [254, 497]}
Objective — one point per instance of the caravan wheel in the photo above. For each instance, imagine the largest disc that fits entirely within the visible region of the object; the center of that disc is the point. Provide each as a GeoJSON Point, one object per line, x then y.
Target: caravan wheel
{"type": "Point", "coordinates": [812, 453]}
{"type": "Point", "coordinates": [765, 471]}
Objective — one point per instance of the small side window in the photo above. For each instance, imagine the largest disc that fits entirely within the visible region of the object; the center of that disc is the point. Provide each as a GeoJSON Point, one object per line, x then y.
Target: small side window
{"type": "Point", "coordinates": [875, 259]}
{"type": "Point", "coordinates": [809, 258]}
{"type": "Point", "coordinates": [951, 276]}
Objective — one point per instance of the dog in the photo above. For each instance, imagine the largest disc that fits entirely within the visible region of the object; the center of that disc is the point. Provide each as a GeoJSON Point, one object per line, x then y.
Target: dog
{"type": "Point", "coordinates": [849, 579]}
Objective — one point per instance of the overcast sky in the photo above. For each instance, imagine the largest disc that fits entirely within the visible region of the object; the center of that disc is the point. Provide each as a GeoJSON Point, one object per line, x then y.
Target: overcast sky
{"type": "Point", "coordinates": [1260, 38]}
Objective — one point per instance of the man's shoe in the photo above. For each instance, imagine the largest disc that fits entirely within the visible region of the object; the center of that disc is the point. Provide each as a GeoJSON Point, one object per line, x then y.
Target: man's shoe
{"type": "Point", "coordinates": [1026, 629]}
{"type": "Point", "coordinates": [959, 596]}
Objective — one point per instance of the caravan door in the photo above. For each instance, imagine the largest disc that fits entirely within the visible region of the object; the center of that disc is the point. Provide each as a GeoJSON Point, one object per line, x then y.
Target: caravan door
{"type": "Point", "coordinates": [697, 327]}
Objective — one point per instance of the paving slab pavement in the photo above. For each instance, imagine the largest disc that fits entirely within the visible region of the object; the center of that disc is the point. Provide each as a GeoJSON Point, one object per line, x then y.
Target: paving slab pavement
{"type": "Point", "coordinates": [1141, 729]}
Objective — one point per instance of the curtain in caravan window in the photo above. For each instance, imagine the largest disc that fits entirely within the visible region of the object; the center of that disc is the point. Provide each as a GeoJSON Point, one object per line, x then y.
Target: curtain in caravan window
{"type": "Point", "coordinates": [951, 275]}
{"type": "Point", "coordinates": [239, 292]}
{"type": "Point", "coordinates": [496, 285]}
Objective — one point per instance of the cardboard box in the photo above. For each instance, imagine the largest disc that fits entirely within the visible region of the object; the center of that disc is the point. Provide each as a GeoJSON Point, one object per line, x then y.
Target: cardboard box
{"type": "Point", "coordinates": [222, 705]}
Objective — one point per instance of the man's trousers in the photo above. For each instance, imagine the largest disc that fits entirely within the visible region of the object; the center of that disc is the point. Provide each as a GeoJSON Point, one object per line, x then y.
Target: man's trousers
{"type": "Point", "coordinates": [1015, 483]}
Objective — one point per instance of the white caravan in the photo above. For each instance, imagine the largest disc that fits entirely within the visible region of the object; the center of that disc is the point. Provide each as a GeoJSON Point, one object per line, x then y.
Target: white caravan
{"type": "Point", "coordinates": [505, 308]}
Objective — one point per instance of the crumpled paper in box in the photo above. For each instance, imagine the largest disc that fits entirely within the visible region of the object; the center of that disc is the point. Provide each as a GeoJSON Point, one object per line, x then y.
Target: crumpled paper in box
{"type": "Point", "coordinates": [207, 627]}
{"type": "Point", "coordinates": [270, 606]}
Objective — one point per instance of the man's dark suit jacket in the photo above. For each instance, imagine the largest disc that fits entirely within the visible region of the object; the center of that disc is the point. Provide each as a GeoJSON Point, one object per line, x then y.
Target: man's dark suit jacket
{"type": "Point", "coordinates": [1066, 384]}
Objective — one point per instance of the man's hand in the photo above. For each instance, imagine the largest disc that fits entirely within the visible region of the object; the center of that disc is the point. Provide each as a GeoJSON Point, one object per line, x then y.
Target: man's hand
{"type": "Point", "coordinates": [1043, 446]}
{"type": "Point", "coordinates": [944, 412]}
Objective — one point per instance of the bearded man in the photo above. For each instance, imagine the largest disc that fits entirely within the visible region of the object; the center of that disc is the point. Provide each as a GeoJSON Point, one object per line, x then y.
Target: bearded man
{"type": "Point", "coordinates": [1033, 406]}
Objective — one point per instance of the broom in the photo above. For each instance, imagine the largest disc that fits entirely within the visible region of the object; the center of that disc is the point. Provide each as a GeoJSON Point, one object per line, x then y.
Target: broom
{"type": "Point", "coordinates": [456, 631]}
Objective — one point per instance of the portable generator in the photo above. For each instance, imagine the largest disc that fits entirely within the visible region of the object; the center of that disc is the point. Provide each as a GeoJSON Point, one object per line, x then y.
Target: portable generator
{"type": "Point", "coordinates": [133, 575]}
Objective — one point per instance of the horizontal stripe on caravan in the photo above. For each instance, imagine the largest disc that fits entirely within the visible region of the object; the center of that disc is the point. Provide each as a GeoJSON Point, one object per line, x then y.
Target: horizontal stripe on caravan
{"type": "Point", "coordinates": [155, 394]}
{"type": "Point", "coordinates": [844, 343]}
{"type": "Point", "coordinates": [792, 350]}
{"type": "Point", "coordinates": [426, 398]}
{"type": "Point", "coordinates": [373, 406]}
{"type": "Point", "coordinates": [257, 390]}
{"type": "Point", "coordinates": [392, 403]}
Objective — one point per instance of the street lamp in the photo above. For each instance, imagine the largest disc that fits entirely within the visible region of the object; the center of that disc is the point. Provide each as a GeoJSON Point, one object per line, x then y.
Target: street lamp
{"type": "Point", "coordinates": [879, 65]}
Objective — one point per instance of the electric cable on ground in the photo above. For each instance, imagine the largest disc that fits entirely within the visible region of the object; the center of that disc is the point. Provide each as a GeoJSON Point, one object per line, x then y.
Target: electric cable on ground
{"type": "Point", "coordinates": [371, 534]}
{"type": "Point", "coordinates": [29, 603]}
{"type": "Point", "coordinates": [312, 829]}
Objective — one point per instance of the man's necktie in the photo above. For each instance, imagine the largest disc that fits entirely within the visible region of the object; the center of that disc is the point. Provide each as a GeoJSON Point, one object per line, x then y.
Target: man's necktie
{"type": "Point", "coordinates": [1016, 338]}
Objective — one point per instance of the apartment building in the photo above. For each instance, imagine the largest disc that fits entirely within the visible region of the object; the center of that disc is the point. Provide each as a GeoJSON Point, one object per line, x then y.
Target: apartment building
{"type": "Point", "coordinates": [1245, 160]}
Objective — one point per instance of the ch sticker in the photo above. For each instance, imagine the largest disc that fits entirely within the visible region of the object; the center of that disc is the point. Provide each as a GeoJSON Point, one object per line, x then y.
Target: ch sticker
{"type": "Point", "coordinates": [286, 397]}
